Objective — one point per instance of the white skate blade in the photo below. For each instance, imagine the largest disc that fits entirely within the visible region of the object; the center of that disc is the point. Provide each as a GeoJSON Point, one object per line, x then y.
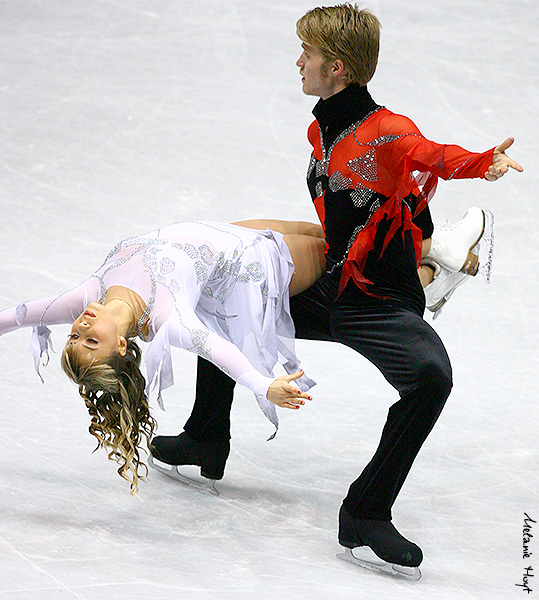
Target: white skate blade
{"type": "Point", "coordinates": [485, 248]}
{"type": "Point", "coordinates": [366, 558]}
{"type": "Point", "coordinates": [202, 484]}
{"type": "Point", "coordinates": [437, 310]}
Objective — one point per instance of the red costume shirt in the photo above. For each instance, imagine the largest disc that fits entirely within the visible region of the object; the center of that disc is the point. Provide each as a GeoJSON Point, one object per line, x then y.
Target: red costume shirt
{"type": "Point", "coordinates": [377, 168]}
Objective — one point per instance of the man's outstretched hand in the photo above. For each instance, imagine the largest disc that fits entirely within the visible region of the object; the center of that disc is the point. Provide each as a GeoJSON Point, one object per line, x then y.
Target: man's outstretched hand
{"type": "Point", "coordinates": [501, 162]}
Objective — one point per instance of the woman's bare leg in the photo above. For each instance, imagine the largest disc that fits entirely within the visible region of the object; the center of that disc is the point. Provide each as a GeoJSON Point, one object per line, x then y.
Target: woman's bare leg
{"type": "Point", "coordinates": [307, 246]}
{"type": "Point", "coordinates": [426, 275]}
{"type": "Point", "coordinates": [284, 227]}
{"type": "Point", "coordinates": [309, 263]}
{"type": "Point", "coordinates": [309, 256]}
{"type": "Point", "coordinates": [425, 272]}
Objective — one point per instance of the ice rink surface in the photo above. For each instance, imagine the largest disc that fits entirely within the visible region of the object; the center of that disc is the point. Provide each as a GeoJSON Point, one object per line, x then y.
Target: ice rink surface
{"type": "Point", "coordinates": [117, 117]}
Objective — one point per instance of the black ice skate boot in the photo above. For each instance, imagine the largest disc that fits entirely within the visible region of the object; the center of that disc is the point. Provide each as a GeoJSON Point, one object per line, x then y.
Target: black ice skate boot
{"type": "Point", "coordinates": [398, 555]}
{"type": "Point", "coordinates": [182, 449]}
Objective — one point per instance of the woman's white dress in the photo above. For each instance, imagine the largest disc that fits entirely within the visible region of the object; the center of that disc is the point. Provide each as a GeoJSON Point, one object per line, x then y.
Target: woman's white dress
{"type": "Point", "coordinates": [215, 289]}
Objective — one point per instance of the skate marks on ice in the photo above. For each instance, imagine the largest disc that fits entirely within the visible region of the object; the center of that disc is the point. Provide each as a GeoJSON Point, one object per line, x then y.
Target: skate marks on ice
{"type": "Point", "coordinates": [201, 484]}
{"type": "Point", "coordinates": [364, 557]}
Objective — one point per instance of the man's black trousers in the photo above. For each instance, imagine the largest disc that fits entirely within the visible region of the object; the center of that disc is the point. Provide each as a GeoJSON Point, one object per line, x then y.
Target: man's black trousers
{"type": "Point", "coordinates": [391, 335]}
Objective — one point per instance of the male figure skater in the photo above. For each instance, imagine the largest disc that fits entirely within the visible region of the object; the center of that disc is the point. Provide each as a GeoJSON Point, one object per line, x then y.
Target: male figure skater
{"type": "Point", "coordinates": [361, 178]}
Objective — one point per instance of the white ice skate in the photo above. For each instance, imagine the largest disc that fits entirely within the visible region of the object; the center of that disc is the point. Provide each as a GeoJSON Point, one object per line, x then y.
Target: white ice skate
{"type": "Point", "coordinates": [458, 251]}
{"type": "Point", "coordinates": [456, 247]}
{"type": "Point", "coordinates": [366, 558]}
{"type": "Point", "coordinates": [202, 484]}
{"type": "Point", "coordinates": [442, 287]}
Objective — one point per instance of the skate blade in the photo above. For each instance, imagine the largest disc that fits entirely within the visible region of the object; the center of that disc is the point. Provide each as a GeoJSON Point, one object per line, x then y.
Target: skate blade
{"type": "Point", "coordinates": [485, 248]}
{"type": "Point", "coordinates": [365, 557]}
{"type": "Point", "coordinates": [437, 308]}
{"type": "Point", "coordinates": [204, 486]}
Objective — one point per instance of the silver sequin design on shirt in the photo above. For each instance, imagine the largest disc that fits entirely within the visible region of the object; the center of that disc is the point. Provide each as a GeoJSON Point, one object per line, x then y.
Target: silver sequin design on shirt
{"type": "Point", "coordinates": [338, 182]}
{"type": "Point", "coordinates": [365, 166]}
{"type": "Point", "coordinates": [361, 195]}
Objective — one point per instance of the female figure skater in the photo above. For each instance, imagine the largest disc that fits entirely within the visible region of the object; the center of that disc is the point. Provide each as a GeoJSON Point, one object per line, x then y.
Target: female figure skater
{"type": "Point", "coordinates": [218, 290]}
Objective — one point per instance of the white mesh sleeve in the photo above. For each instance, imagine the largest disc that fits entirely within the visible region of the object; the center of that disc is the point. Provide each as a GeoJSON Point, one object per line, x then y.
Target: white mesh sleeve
{"type": "Point", "coordinates": [64, 308]}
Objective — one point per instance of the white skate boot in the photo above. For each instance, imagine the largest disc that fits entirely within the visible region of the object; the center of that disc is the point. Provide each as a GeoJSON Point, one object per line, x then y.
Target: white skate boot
{"type": "Point", "coordinates": [454, 255]}
{"type": "Point", "coordinates": [442, 287]}
{"type": "Point", "coordinates": [456, 247]}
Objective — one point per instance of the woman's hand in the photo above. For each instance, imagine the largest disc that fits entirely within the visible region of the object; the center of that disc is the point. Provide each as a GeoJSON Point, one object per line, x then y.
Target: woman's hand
{"type": "Point", "coordinates": [501, 162]}
{"type": "Point", "coordinates": [282, 393]}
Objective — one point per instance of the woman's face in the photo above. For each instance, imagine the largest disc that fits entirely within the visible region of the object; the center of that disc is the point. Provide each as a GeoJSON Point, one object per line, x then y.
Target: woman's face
{"type": "Point", "coordinates": [95, 335]}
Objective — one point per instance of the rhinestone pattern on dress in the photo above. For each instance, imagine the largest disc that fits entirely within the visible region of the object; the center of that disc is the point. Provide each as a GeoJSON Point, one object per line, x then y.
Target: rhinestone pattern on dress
{"type": "Point", "coordinates": [201, 271]}
{"type": "Point", "coordinates": [209, 267]}
{"type": "Point", "coordinates": [198, 338]}
{"type": "Point", "coordinates": [253, 272]}
{"type": "Point", "coordinates": [191, 251]}
{"type": "Point", "coordinates": [166, 266]}
{"type": "Point", "coordinates": [206, 254]}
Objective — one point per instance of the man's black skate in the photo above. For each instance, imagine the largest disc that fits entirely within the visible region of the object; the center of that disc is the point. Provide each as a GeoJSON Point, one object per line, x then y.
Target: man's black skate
{"type": "Point", "coordinates": [182, 449]}
{"type": "Point", "coordinates": [398, 555]}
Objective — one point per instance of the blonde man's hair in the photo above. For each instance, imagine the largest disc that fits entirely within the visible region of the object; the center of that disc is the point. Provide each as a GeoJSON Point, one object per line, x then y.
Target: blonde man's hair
{"type": "Point", "coordinates": [346, 33]}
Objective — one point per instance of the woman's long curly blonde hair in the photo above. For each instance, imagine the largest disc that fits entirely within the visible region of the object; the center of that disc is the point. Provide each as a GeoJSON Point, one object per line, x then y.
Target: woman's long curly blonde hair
{"type": "Point", "coordinates": [113, 392]}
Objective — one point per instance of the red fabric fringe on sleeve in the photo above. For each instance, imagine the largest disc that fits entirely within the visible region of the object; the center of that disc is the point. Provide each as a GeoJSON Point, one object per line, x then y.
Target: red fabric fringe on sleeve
{"type": "Point", "coordinates": [406, 163]}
